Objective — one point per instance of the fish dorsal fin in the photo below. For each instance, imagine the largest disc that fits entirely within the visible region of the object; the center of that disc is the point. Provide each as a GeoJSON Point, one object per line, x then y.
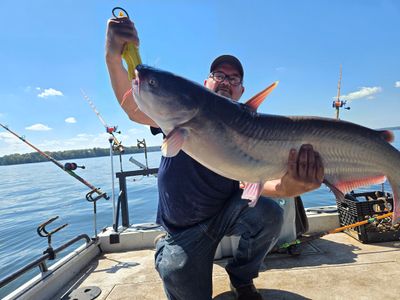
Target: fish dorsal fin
{"type": "Point", "coordinates": [387, 135]}
{"type": "Point", "coordinates": [255, 101]}
{"type": "Point", "coordinates": [173, 142]}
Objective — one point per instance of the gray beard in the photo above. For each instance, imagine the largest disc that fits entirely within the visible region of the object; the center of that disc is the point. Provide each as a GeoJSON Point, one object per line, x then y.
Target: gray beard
{"type": "Point", "coordinates": [224, 93]}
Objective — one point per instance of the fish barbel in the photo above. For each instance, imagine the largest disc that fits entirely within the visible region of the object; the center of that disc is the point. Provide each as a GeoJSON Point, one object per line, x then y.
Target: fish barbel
{"type": "Point", "coordinates": [235, 141]}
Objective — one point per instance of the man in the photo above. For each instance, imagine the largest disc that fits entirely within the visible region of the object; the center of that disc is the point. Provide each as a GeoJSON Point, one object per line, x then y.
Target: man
{"type": "Point", "coordinates": [198, 207]}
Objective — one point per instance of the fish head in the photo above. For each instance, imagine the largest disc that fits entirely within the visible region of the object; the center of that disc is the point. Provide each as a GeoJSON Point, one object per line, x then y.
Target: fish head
{"type": "Point", "coordinates": [168, 99]}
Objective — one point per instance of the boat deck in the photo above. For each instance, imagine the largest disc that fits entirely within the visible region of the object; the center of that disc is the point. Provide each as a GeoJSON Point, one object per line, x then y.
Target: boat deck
{"type": "Point", "coordinates": [333, 267]}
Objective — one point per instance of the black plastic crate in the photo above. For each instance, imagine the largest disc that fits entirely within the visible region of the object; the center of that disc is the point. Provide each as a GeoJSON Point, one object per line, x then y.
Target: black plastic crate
{"type": "Point", "coordinates": [361, 206]}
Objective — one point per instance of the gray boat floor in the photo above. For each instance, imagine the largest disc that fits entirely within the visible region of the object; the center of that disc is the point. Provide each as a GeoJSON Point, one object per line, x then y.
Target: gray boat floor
{"type": "Point", "coordinates": [334, 267]}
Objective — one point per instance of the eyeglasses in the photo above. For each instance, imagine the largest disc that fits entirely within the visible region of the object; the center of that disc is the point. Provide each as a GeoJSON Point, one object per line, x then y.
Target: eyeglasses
{"type": "Point", "coordinates": [221, 76]}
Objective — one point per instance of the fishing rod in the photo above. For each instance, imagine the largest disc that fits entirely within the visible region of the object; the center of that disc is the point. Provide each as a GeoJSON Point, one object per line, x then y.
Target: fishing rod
{"type": "Point", "coordinates": [340, 229]}
{"type": "Point", "coordinates": [109, 129]}
{"type": "Point", "coordinates": [68, 167]}
{"type": "Point", "coordinates": [115, 144]}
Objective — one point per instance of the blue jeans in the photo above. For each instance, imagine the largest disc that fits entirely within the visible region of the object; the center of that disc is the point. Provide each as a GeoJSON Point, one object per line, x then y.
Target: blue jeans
{"type": "Point", "coordinates": [185, 260]}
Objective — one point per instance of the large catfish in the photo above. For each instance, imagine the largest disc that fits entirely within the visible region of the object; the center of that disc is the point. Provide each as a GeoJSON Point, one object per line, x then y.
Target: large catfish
{"type": "Point", "coordinates": [235, 141]}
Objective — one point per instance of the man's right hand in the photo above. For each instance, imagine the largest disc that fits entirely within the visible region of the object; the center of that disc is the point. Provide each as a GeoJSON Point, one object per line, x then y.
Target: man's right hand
{"type": "Point", "coordinates": [119, 32]}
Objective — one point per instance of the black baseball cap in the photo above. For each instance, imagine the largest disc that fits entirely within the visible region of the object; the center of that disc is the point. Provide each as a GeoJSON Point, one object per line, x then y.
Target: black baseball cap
{"type": "Point", "coordinates": [227, 59]}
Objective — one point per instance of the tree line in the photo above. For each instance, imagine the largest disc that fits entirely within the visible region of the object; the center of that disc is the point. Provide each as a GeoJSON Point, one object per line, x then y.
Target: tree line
{"type": "Point", "coordinates": [33, 157]}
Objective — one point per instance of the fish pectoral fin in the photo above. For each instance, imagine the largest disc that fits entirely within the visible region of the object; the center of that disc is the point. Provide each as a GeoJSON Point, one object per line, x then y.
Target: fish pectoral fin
{"type": "Point", "coordinates": [173, 142]}
{"type": "Point", "coordinates": [394, 183]}
{"type": "Point", "coordinates": [338, 193]}
{"type": "Point", "coordinates": [255, 101]}
{"type": "Point", "coordinates": [252, 192]}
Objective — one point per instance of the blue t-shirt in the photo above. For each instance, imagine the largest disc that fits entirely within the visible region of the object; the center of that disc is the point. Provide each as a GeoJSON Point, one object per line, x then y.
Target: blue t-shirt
{"type": "Point", "coordinates": [189, 193]}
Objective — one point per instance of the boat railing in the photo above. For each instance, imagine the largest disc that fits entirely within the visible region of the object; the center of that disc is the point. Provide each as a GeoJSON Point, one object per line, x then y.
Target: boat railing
{"type": "Point", "coordinates": [41, 261]}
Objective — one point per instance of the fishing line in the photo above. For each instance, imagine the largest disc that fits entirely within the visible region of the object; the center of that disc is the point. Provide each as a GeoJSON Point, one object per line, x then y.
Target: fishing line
{"type": "Point", "coordinates": [109, 129]}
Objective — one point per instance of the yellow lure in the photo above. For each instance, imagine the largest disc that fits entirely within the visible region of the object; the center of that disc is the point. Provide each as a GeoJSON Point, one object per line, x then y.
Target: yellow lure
{"type": "Point", "coordinates": [131, 56]}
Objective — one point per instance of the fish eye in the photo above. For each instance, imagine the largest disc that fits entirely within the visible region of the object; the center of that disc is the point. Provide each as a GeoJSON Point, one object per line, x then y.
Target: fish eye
{"type": "Point", "coordinates": [152, 82]}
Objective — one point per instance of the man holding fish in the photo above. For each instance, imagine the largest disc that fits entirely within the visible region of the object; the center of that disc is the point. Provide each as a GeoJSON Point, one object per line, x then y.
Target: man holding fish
{"type": "Point", "coordinates": [197, 207]}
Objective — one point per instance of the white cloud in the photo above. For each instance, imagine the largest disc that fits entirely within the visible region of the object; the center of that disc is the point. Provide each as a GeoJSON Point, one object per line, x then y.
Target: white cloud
{"type": "Point", "coordinates": [49, 93]}
{"type": "Point", "coordinates": [280, 69]}
{"type": "Point", "coordinates": [397, 84]}
{"type": "Point", "coordinates": [70, 120]}
{"type": "Point", "coordinates": [80, 141]}
{"type": "Point", "coordinates": [364, 92]}
{"type": "Point", "coordinates": [29, 89]}
{"type": "Point", "coordinates": [11, 144]}
{"type": "Point", "coordinates": [6, 137]}
{"type": "Point", "coordinates": [38, 127]}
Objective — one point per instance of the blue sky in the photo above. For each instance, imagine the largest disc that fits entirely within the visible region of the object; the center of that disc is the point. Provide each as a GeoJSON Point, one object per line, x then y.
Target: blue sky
{"type": "Point", "coordinates": [52, 49]}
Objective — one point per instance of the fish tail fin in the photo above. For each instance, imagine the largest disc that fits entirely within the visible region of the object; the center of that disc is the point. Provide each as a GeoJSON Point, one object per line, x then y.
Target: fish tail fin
{"type": "Point", "coordinates": [387, 135]}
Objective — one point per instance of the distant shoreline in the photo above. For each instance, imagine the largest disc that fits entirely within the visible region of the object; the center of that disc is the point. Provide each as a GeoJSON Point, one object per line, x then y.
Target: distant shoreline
{"type": "Point", "coordinates": [35, 157]}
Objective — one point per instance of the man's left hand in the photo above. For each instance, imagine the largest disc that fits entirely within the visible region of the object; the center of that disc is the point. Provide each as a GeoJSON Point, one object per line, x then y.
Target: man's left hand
{"type": "Point", "coordinates": [305, 172]}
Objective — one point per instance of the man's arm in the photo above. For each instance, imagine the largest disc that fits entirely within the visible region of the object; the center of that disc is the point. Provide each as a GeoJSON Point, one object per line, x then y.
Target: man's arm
{"type": "Point", "coordinates": [305, 173]}
{"type": "Point", "coordinates": [119, 32]}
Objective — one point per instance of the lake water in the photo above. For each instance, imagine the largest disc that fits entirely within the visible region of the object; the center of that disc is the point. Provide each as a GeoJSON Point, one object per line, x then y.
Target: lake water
{"type": "Point", "coordinates": [33, 193]}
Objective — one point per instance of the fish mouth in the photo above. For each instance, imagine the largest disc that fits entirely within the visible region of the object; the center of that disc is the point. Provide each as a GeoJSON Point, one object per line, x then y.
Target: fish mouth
{"type": "Point", "coordinates": [136, 83]}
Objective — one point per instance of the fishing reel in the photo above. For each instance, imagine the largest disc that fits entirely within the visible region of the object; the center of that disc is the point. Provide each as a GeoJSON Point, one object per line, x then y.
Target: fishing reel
{"type": "Point", "coordinates": [115, 144]}
{"type": "Point", "coordinates": [112, 129]}
{"type": "Point", "coordinates": [340, 104]}
{"type": "Point", "coordinates": [118, 148]}
{"type": "Point", "coordinates": [72, 166]}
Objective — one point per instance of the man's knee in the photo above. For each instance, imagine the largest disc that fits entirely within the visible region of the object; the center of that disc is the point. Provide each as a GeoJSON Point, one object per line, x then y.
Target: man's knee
{"type": "Point", "coordinates": [270, 214]}
{"type": "Point", "coordinates": [173, 269]}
